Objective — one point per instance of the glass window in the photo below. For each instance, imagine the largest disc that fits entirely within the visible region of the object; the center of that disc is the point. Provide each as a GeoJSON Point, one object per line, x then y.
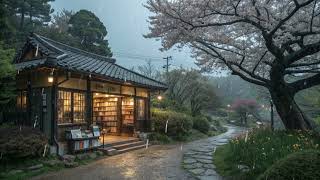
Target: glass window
{"type": "Point", "coordinates": [141, 109]}
{"type": "Point", "coordinates": [64, 107]}
{"type": "Point", "coordinates": [71, 107]}
{"type": "Point", "coordinates": [22, 101]}
{"type": "Point", "coordinates": [78, 107]}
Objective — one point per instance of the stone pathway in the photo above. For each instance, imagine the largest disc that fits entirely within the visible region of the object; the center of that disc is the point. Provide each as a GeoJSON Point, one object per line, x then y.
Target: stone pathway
{"type": "Point", "coordinates": [198, 157]}
{"type": "Point", "coordinates": [159, 162]}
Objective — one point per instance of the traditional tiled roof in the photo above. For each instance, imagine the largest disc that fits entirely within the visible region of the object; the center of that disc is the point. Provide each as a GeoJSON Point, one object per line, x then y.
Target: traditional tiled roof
{"type": "Point", "coordinates": [74, 59]}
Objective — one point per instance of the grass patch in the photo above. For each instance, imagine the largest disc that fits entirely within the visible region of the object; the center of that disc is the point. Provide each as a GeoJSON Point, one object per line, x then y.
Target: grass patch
{"type": "Point", "coordinates": [262, 149]}
{"type": "Point", "coordinates": [8, 170]}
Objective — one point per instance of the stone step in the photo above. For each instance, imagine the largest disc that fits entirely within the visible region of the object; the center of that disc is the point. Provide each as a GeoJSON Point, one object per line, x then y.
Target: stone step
{"type": "Point", "coordinates": [128, 145]}
{"type": "Point", "coordinates": [120, 142]}
{"type": "Point", "coordinates": [109, 151]}
{"type": "Point", "coordinates": [131, 148]}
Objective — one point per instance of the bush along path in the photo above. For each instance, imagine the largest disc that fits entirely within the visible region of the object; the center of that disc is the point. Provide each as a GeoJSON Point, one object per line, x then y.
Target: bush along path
{"type": "Point", "coordinates": [198, 156]}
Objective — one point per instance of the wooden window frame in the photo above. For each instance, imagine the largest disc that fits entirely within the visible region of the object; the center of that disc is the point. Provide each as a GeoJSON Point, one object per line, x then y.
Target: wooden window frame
{"type": "Point", "coordinates": [72, 121]}
{"type": "Point", "coordinates": [22, 106]}
{"type": "Point", "coordinates": [145, 108]}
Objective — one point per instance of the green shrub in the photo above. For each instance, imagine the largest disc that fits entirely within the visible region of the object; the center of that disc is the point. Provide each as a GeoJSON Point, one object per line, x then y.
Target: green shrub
{"type": "Point", "coordinates": [201, 123]}
{"type": "Point", "coordinates": [300, 165]}
{"type": "Point", "coordinates": [317, 120]}
{"type": "Point", "coordinates": [179, 124]}
{"type": "Point", "coordinates": [24, 143]}
{"type": "Point", "coordinates": [262, 149]}
{"type": "Point", "coordinates": [162, 138]}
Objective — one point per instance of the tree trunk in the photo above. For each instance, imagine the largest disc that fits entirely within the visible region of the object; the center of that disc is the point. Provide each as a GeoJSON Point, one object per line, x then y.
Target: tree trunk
{"type": "Point", "coordinates": [22, 15]}
{"type": "Point", "coordinates": [287, 108]}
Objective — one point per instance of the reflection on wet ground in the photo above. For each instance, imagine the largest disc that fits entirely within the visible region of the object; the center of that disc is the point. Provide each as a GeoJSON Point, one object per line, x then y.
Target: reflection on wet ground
{"type": "Point", "coordinates": [156, 162]}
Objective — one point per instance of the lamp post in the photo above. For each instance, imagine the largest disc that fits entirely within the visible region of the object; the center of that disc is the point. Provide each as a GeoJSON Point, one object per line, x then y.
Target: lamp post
{"type": "Point", "coordinates": [271, 114]}
{"type": "Point", "coordinates": [103, 133]}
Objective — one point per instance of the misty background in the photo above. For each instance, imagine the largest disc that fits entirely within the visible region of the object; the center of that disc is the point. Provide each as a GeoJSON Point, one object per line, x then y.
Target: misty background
{"type": "Point", "coordinates": [126, 23]}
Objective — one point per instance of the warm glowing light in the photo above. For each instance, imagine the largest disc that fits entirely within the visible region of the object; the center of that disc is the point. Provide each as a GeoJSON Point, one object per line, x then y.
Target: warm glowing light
{"type": "Point", "coordinates": [107, 95]}
{"type": "Point", "coordinates": [159, 98]}
{"type": "Point", "coordinates": [50, 79]}
{"type": "Point", "coordinates": [97, 94]}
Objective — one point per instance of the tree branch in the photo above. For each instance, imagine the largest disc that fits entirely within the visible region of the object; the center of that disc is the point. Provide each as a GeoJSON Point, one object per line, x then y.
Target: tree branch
{"type": "Point", "coordinates": [305, 83]}
{"type": "Point", "coordinates": [282, 21]}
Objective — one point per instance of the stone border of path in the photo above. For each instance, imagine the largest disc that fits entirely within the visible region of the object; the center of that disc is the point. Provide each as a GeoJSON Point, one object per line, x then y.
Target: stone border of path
{"type": "Point", "coordinates": [198, 157]}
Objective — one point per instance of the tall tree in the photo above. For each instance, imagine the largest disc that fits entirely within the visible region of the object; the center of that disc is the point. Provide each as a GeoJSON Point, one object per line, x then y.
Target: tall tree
{"type": "Point", "coordinates": [261, 41]}
{"type": "Point", "coordinates": [7, 74]}
{"type": "Point", "coordinates": [90, 30]}
{"type": "Point", "coordinates": [36, 10]}
{"type": "Point", "coordinates": [61, 20]}
{"type": "Point", "coordinates": [189, 88]}
{"type": "Point", "coordinates": [149, 70]}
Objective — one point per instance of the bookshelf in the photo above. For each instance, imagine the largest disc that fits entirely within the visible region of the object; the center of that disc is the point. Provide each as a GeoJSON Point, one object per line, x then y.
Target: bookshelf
{"type": "Point", "coordinates": [128, 111]}
{"type": "Point", "coordinates": [105, 112]}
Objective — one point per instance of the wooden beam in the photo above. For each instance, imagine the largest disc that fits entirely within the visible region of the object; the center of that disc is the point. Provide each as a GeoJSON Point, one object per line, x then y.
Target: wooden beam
{"type": "Point", "coordinates": [54, 108]}
{"type": "Point", "coordinates": [89, 101]}
{"type": "Point", "coordinates": [29, 100]}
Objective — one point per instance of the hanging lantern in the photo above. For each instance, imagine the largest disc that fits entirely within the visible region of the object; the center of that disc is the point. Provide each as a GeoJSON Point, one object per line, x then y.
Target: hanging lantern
{"type": "Point", "coordinates": [50, 77]}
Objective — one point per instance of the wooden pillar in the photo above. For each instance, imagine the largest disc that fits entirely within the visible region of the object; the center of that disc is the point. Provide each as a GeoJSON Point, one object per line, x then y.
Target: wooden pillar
{"type": "Point", "coordinates": [89, 103]}
{"type": "Point", "coordinates": [135, 110]}
{"type": "Point", "coordinates": [54, 108]}
{"type": "Point", "coordinates": [148, 112]}
{"type": "Point", "coordinates": [29, 101]}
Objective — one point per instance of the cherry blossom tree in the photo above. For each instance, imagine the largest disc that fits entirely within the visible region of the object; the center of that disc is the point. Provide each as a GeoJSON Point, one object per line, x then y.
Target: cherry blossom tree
{"type": "Point", "coordinates": [244, 107]}
{"type": "Point", "coordinates": [262, 41]}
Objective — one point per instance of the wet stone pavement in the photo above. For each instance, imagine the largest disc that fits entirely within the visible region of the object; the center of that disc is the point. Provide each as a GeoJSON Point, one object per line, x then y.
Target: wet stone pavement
{"type": "Point", "coordinates": [155, 163]}
{"type": "Point", "coordinates": [198, 157]}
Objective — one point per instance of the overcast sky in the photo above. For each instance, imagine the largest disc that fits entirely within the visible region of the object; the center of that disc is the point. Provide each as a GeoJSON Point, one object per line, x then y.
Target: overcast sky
{"type": "Point", "coordinates": [126, 22]}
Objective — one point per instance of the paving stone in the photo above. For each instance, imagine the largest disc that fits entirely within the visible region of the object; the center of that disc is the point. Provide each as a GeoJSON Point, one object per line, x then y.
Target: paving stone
{"type": "Point", "coordinates": [203, 157]}
{"type": "Point", "coordinates": [205, 161]}
{"type": "Point", "coordinates": [69, 158]}
{"type": "Point", "coordinates": [209, 177]}
{"type": "Point", "coordinates": [16, 171]}
{"type": "Point", "coordinates": [210, 172]}
{"type": "Point", "coordinates": [35, 167]}
{"type": "Point", "coordinates": [190, 153]}
{"type": "Point", "coordinates": [209, 166]}
{"type": "Point", "coordinates": [197, 171]}
{"type": "Point", "coordinates": [189, 161]}
{"type": "Point", "coordinates": [188, 166]}
{"type": "Point", "coordinates": [202, 152]}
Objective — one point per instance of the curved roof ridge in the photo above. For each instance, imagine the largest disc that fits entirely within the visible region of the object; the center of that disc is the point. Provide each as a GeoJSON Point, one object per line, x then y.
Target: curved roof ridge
{"type": "Point", "coordinates": [77, 50]}
{"type": "Point", "coordinates": [51, 46]}
{"type": "Point", "coordinates": [146, 77]}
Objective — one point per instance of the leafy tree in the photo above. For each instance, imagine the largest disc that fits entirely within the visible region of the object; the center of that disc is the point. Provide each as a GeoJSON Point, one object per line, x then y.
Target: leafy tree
{"type": "Point", "coordinates": [35, 10]}
{"type": "Point", "coordinates": [90, 30]}
{"type": "Point", "coordinates": [244, 107]}
{"type": "Point", "coordinates": [149, 70]}
{"type": "Point", "coordinates": [7, 74]}
{"type": "Point", "coordinates": [263, 42]}
{"type": "Point", "coordinates": [190, 89]}
{"type": "Point", "coordinates": [61, 20]}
